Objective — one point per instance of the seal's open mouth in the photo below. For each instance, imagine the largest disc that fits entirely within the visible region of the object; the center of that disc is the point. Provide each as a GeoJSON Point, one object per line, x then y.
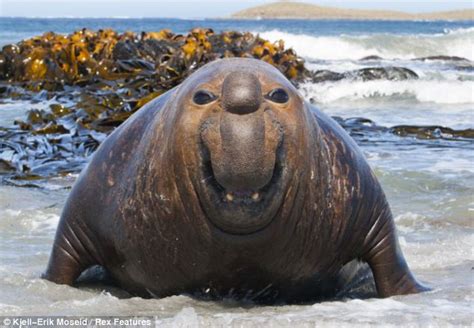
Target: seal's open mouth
{"type": "Point", "coordinates": [242, 167]}
{"type": "Point", "coordinates": [243, 197]}
{"type": "Point", "coordinates": [241, 211]}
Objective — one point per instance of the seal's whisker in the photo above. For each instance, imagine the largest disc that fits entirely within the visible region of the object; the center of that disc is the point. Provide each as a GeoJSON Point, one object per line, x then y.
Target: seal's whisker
{"type": "Point", "coordinates": [206, 178]}
{"type": "Point", "coordinates": [262, 291]}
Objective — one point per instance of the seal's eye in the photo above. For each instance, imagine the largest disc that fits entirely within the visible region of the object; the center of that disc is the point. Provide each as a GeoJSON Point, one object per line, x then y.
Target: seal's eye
{"type": "Point", "coordinates": [203, 97]}
{"type": "Point", "coordinates": [278, 95]}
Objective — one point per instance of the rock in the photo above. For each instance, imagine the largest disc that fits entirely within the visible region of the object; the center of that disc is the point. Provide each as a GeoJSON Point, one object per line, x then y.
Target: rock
{"type": "Point", "coordinates": [365, 74]}
{"type": "Point", "coordinates": [382, 73]}
{"type": "Point", "coordinates": [459, 63]}
{"type": "Point", "coordinates": [443, 58]}
{"type": "Point", "coordinates": [431, 132]}
{"type": "Point", "coordinates": [325, 75]}
{"type": "Point", "coordinates": [373, 57]}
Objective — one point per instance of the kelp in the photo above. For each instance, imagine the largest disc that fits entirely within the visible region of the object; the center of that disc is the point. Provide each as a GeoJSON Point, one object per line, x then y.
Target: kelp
{"type": "Point", "coordinates": [86, 56]}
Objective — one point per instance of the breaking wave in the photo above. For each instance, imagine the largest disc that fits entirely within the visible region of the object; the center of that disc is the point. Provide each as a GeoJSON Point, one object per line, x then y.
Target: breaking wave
{"type": "Point", "coordinates": [435, 91]}
{"type": "Point", "coordinates": [458, 42]}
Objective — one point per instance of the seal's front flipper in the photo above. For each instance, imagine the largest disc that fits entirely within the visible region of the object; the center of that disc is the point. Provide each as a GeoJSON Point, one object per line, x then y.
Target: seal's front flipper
{"type": "Point", "coordinates": [355, 280]}
{"type": "Point", "coordinates": [391, 273]}
{"type": "Point", "coordinates": [95, 274]}
{"type": "Point", "coordinates": [68, 258]}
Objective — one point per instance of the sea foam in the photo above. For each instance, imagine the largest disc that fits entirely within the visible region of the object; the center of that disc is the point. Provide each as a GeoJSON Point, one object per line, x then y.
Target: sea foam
{"type": "Point", "coordinates": [458, 42]}
{"type": "Point", "coordinates": [435, 91]}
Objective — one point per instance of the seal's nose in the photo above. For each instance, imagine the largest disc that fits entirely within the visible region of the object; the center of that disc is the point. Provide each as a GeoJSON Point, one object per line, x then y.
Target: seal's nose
{"type": "Point", "coordinates": [241, 93]}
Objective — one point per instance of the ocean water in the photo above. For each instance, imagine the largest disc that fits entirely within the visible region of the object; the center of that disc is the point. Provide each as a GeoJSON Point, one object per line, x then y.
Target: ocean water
{"type": "Point", "coordinates": [429, 183]}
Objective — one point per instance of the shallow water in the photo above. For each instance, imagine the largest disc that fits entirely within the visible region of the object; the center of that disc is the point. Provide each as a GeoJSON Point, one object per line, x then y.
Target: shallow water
{"type": "Point", "coordinates": [429, 184]}
{"type": "Point", "coordinates": [434, 220]}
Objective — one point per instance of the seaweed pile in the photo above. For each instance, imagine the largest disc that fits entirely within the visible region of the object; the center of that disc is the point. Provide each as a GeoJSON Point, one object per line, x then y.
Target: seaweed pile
{"type": "Point", "coordinates": [94, 80]}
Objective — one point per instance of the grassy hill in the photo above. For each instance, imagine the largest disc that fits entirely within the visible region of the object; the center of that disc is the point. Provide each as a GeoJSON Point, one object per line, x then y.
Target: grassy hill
{"type": "Point", "coordinates": [309, 11]}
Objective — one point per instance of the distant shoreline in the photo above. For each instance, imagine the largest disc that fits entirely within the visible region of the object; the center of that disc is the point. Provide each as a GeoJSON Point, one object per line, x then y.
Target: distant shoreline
{"type": "Point", "coordinates": [306, 11]}
{"type": "Point", "coordinates": [345, 19]}
{"type": "Point", "coordinates": [245, 18]}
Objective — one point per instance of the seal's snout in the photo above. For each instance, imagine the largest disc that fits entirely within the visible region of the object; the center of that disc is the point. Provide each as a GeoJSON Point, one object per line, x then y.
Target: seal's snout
{"type": "Point", "coordinates": [241, 93]}
{"type": "Point", "coordinates": [245, 163]}
{"type": "Point", "coordinates": [243, 152]}
{"type": "Point", "coordinates": [241, 155]}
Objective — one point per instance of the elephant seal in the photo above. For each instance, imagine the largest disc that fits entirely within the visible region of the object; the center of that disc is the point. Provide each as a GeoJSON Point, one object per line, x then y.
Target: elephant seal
{"type": "Point", "coordinates": [230, 185]}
